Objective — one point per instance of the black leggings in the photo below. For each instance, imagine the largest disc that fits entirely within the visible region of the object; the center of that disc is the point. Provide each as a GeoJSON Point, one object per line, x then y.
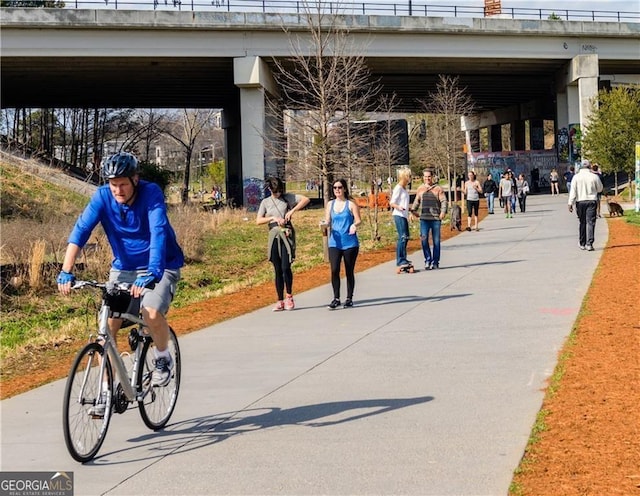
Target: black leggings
{"type": "Point", "coordinates": [335, 257]}
{"type": "Point", "coordinates": [473, 207]}
{"type": "Point", "coordinates": [282, 268]}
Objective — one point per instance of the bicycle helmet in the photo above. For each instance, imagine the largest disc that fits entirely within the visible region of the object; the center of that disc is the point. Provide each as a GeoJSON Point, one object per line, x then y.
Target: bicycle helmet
{"type": "Point", "coordinates": [121, 164]}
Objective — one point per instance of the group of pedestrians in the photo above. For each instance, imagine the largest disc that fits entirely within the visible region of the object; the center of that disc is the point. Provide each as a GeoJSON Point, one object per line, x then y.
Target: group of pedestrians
{"type": "Point", "coordinates": [513, 191]}
{"type": "Point", "coordinates": [341, 219]}
{"type": "Point", "coordinates": [429, 206]}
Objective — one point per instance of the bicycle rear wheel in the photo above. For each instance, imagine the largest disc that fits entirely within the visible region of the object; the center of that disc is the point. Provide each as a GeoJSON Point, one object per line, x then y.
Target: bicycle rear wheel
{"type": "Point", "coordinates": [158, 403]}
{"type": "Point", "coordinates": [83, 432]}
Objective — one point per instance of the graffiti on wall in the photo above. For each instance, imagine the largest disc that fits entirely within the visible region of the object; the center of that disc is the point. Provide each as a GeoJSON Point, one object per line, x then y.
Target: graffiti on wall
{"type": "Point", "coordinates": [534, 164]}
{"type": "Point", "coordinates": [252, 192]}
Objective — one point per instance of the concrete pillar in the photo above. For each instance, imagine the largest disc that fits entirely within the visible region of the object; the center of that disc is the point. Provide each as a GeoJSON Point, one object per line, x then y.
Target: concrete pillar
{"type": "Point", "coordinates": [233, 149]}
{"type": "Point", "coordinates": [518, 141]}
{"type": "Point", "coordinates": [536, 134]}
{"type": "Point", "coordinates": [573, 105]}
{"type": "Point", "coordinates": [562, 108]}
{"type": "Point", "coordinates": [474, 140]}
{"type": "Point", "coordinates": [253, 77]}
{"type": "Point", "coordinates": [495, 138]}
{"type": "Point", "coordinates": [588, 93]}
{"type": "Point", "coordinates": [577, 89]}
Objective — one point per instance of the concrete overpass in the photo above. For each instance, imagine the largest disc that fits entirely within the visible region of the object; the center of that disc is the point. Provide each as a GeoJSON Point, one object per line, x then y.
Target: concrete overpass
{"type": "Point", "coordinates": [513, 69]}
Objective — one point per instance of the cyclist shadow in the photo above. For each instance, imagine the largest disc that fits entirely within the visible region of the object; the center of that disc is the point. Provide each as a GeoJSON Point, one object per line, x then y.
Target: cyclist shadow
{"type": "Point", "coordinates": [193, 434]}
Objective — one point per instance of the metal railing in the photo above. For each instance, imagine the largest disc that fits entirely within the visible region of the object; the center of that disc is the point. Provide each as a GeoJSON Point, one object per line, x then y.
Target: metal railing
{"type": "Point", "coordinates": [405, 8]}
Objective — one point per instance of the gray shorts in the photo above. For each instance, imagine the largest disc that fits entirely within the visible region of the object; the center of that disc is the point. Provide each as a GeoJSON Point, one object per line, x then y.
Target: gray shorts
{"type": "Point", "coordinates": [160, 296]}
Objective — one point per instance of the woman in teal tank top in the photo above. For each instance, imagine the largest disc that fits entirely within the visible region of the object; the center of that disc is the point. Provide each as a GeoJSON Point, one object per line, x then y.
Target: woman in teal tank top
{"type": "Point", "coordinates": [343, 217]}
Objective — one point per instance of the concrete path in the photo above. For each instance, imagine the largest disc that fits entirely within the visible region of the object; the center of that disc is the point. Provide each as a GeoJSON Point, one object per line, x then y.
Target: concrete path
{"type": "Point", "coordinates": [428, 386]}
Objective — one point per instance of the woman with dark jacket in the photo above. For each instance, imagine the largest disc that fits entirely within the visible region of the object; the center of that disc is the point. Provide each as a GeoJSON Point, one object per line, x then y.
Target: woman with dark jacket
{"type": "Point", "coordinates": [489, 190]}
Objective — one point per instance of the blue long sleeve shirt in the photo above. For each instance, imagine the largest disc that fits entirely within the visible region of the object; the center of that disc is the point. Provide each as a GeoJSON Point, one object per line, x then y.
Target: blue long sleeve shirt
{"type": "Point", "coordinates": [140, 234]}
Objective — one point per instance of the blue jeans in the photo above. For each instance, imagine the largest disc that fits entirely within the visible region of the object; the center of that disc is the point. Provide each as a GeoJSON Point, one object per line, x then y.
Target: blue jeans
{"type": "Point", "coordinates": [434, 227]}
{"type": "Point", "coordinates": [402, 226]}
{"type": "Point", "coordinates": [490, 200]}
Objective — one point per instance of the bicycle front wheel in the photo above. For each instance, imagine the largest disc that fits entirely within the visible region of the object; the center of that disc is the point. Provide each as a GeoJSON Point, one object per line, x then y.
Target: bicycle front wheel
{"type": "Point", "coordinates": [84, 432]}
{"type": "Point", "coordinates": [157, 403]}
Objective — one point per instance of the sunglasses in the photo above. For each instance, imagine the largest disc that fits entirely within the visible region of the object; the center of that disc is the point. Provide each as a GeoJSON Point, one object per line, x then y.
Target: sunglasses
{"type": "Point", "coordinates": [337, 187]}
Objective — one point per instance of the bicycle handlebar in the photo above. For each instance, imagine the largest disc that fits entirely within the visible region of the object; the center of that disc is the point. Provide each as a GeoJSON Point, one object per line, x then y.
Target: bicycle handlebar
{"type": "Point", "coordinates": [109, 287]}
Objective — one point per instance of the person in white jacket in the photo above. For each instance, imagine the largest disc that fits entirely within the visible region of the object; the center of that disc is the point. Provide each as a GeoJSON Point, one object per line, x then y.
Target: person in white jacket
{"type": "Point", "coordinates": [585, 187]}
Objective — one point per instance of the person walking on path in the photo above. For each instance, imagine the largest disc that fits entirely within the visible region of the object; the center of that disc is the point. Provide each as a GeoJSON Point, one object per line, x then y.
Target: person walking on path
{"type": "Point", "coordinates": [514, 191]}
{"type": "Point", "coordinates": [490, 189]}
{"type": "Point", "coordinates": [585, 187]}
{"type": "Point", "coordinates": [568, 177]}
{"type": "Point", "coordinates": [472, 191]}
{"type": "Point", "coordinates": [523, 190]}
{"type": "Point", "coordinates": [342, 215]}
{"type": "Point", "coordinates": [430, 206]}
{"type": "Point", "coordinates": [553, 179]}
{"type": "Point", "coordinates": [504, 193]}
{"type": "Point", "coordinates": [400, 204]}
{"type": "Point", "coordinates": [277, 209]}
{"type": "Point", "coordinates": [146, 253]}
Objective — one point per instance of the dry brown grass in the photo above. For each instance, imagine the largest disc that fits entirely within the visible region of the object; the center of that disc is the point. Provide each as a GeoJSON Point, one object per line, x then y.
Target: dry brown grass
{"type": "Point", "coordinates": [36, 265]}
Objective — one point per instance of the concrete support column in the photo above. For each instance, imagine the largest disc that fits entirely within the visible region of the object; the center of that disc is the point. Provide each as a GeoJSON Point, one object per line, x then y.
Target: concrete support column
{"type": "Point", "coordinates": [233, 150]}
{"type": "Point", "coordinates": [588, 91]}
{"type": "Point", "coordinates": [577, 90]}
{"type": "Point", "coordinates": [474, 140]}
{"type": "Point", "coordinates": [253, 77]}
{"type": "Point", "coordinates": [562, 108]}
{"type": "Point", "coordinates": [573, 105]}
{"type": "Point", "coordinates": [518, 141]}
{"type": "Point", "coordinates": [495, 138]}
{"type": "Point", "coordinates": [536, 134]}
{"type": "Point", "coordinates": [578, 87]}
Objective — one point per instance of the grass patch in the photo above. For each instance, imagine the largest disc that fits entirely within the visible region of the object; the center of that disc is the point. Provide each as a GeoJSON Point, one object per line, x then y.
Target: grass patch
{"type": "Point", "coordinates": [632, 217]}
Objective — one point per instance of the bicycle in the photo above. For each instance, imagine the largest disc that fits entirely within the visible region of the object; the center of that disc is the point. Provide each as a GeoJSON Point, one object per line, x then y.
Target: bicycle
{"type": "Point", "coordinates": [91, 377]}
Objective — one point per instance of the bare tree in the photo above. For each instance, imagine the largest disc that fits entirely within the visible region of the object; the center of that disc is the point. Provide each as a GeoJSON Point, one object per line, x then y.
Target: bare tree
{"type": "Point", "coordinates": [444, 145]}
{"type": "Point", "coordinates": [387, 153]}
{"type": "Point", "coordinates": [328, 83]}
{"type": "Point", "coordinates": [185, 131]}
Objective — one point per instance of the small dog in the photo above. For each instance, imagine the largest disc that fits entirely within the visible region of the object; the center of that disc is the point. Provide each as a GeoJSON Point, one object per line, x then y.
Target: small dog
{"type": "Point", "coordinates": [456, 218]}
{"type": "Point", "coordinates": [614, 208]}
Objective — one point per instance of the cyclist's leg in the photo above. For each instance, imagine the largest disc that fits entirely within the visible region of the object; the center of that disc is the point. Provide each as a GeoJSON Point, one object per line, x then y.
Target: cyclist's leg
{"type": "Point", "coordinates": [155, 304]}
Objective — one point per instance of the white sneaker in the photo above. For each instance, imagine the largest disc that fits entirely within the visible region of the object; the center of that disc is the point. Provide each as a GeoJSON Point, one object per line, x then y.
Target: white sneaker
{"type": "Point", "coordinates": [161, 375]}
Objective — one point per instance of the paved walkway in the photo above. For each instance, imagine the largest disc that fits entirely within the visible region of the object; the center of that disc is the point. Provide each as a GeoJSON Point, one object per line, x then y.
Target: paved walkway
{"type": "Point", "coordinates": [429, 386]}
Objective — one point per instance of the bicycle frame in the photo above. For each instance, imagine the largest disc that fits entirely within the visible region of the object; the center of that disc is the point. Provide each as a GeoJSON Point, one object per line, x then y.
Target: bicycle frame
{"type": "Point", "coordinates": [127, 381]}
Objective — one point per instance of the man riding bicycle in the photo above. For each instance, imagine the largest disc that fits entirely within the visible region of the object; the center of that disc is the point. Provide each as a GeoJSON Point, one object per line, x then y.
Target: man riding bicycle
{"type": "Point", "coordinates": [146, 253]}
